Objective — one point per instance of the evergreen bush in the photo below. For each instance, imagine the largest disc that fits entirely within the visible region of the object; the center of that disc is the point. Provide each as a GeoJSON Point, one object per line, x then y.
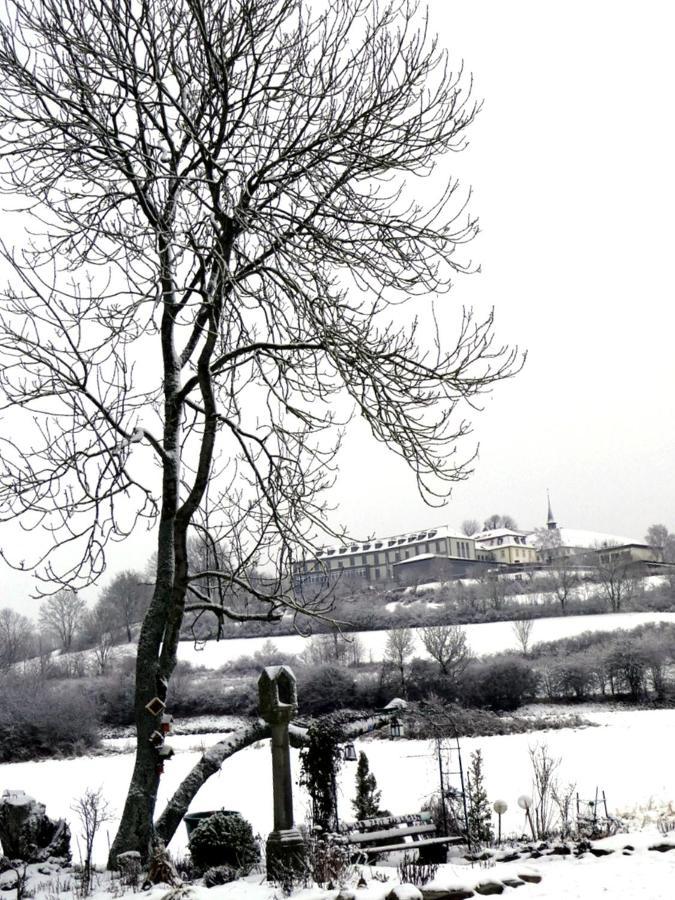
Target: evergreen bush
{"type": "Point", "coordinates": [479, 812]}
{"type": "Point", "coordinates": [224, 839]}
{"type": "Point", "coordinates": [367, 802]}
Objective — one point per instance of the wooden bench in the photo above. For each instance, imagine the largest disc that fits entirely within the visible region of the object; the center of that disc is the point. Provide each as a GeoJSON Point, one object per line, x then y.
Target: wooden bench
{"type": "Point", "coordinates": [415, 831]}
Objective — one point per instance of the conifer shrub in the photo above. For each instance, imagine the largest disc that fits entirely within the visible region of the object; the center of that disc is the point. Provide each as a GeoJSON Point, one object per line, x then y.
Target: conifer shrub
{"type": "Point", "coordinates": [224, 839]}
{"type": "Point", "coordinates": [479, 811]}
{"type": "Point", "coordinates": [367, 802]}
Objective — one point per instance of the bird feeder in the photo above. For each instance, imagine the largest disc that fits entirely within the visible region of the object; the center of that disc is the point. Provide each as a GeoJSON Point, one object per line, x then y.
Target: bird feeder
{"type": "Point", "coordinates": [156, 738]}
{"type": "Point", "coordinates": [166, 723]}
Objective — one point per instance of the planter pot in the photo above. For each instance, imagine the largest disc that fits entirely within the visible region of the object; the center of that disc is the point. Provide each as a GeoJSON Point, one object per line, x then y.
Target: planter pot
{"type": "Point", "coordinates": [193, 819]}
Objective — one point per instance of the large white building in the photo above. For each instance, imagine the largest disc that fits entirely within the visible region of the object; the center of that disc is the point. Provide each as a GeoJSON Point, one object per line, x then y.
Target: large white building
{"type": "Point", "coordinates": [432, 552]}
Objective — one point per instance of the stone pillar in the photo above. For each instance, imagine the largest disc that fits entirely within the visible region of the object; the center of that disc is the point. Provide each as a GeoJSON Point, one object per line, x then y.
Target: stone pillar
{"type": "Point", "coordinates": [278, 699]}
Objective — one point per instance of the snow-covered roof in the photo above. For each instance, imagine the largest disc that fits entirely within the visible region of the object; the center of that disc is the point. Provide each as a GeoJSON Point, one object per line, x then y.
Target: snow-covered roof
{"type": "Point", "coordinates": [420, 556]}
{"type": "Point", "coordinates": [383, 543]}
{"type": "Point", "coordinates": [499, 532]}
{"type": "Point", "coordinates": [574, 537]}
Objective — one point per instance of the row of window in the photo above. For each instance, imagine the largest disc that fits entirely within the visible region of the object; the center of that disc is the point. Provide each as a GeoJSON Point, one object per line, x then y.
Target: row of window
{"type": "Point", "coordinates": [389, 542]}
{"type": "Point", "coordinates": [442, 546]}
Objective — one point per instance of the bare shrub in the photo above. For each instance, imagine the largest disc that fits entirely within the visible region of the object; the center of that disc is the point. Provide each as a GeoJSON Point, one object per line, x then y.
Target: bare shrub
{"type": "Point", "coordinates": [92, 809]}
{"type": "Point", "coordinates": [543, 784]}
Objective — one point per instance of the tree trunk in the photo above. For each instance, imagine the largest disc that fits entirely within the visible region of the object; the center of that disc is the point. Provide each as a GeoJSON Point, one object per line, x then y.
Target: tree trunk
{"type": "Point", "coordinates": [209, 764]}
{"type": "Point", "coordinates": [214, 757]}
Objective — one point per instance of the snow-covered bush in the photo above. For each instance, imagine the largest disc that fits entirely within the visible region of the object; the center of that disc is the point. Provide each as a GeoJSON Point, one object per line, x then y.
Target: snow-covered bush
{"type": "Point", "coordinates": [224, 839]}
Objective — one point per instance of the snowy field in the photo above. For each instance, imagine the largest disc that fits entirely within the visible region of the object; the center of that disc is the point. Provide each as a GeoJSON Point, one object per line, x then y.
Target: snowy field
{"type": "Point", "coordinates": [491, 637]}
{"type": "Point", "coordinates": [629, 755]}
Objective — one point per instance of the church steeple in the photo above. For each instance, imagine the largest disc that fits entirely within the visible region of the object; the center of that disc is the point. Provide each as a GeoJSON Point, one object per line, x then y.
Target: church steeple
{"type": "Point", "coordinates": [550, 521]}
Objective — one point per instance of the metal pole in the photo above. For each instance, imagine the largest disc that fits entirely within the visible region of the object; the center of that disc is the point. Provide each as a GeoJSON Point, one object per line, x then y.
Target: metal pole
{"type": "Point", "coordinates": [442, 786]}
{"type": "Point", "coordinates": [466, 812]}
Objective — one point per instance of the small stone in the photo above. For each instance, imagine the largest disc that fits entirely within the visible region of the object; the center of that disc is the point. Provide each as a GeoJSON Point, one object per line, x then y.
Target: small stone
{"type": "Point", "coordinates": [561, 850]}
{"type": "Point", "coordinates": [483, 856]}
{"type": "Point", "coordinates": [662, 848]}
{"type": "Point", "coordinates": [346, 894]}
{"type": "Point", "coordinates": [456, 894]}
{"type": "Point", "coordinates": [513, 882]}
{"type": "Point", "coordinates": [529, 877]}
{"type": "Point", "coordinates": [509, 857]}
{"type": "Point", "coordinates": [535, 854]}
{"type": "Point", "coordinates": [489, 887]}
{"type": "Point", "coordinates": [403, 892]}
{"type": "Point", "coordinates": [629, 847]}
{"type": "Point", "coordinates": [600, 851]}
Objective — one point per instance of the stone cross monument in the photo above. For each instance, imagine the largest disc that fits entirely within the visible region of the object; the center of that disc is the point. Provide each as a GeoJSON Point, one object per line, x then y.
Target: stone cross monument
{"type": "Point", "coordinates": [278, 700]}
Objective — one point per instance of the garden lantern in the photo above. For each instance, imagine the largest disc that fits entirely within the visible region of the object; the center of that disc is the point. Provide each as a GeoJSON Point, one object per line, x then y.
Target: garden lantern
{"type": "Point", "coordinates": [395, 728]}
{"type": "Point", "coordinates": [349, 752]}
{"type": "Point", "coordinates": [500, 807]}
{"type": "Point", "coordinates": [525, 802]}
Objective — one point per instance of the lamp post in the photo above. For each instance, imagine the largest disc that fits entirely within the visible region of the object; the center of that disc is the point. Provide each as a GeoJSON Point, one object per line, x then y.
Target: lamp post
{"type": "Point", "coordinates": [525, 802]}
{"type": "Point", "coordinates": [347, 753]}
{"type": "Point", "coordinates": [500, 807]}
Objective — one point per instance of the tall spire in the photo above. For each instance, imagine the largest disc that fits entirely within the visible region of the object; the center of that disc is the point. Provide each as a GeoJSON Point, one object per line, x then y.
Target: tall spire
{"type": "Point", "coordinates": [550, 521]}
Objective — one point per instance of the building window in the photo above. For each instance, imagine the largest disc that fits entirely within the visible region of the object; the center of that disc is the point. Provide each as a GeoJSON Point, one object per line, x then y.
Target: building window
{"type": "Point", "coordinates": [377, 573]}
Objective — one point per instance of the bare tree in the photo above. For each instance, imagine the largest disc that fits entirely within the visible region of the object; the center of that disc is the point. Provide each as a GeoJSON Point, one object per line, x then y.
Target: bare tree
{"type": "Point", "coordinates": [447, 645]}
{"type": "Point", "coordinates": [398, 649]}
{"type": "Point", "coordinates": [92, 809]}
{"type": "Point", "coordinates": [663, 541]}
{"type": "Point", "coordinates": [470, 527]}
{"type": "Point", "coordinates": [564, 580]}
{"type": "Point", "coordinates": [496, 521]}
{"type": "Point", "coordinates": [615, 575]}
{"type": "Point", "coordinates": [522, 628]}
{"type": "Point", "coordinates": [61, 615]}
{"type": "Point", "coordinates": [660, 538]}
{"type": "Point", "coordinates": [17, 637]}
{"type": "Point", "coordinates": [226, 206]}
{"type": "Point", "coordinates": [127, 596]}
{"type": "Point", "coordinates": [100, 625]}
{"type": "Point", "coordinates": [544, 785]}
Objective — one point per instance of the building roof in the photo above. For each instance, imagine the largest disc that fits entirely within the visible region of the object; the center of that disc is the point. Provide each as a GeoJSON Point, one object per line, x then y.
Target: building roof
{"type": "Point", "coordinates": [592, 540]}
{"type": "Point", "coordinates": [499, 532]}
{"type": "Point", "coordinates": [384, 543]}
{"type": "Point", "coordinates": [424, 556]}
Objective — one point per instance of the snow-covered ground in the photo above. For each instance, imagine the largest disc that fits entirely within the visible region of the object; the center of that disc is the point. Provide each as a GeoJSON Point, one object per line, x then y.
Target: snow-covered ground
{"type": "Point", "coordinates": [629, 755]}
{"type": "Point", "coordinates": [490, 637]}
{"type": "Point", "coordinates": [639, 875]}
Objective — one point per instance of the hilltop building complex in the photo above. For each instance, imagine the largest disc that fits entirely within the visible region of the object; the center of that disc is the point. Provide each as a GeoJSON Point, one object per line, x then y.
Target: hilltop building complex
{"type": "Point", "coordinates": [442, 553]}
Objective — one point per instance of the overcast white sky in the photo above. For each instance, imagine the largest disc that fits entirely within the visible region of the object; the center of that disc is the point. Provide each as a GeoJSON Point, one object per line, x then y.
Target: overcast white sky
{"type": "Point", "coordinates": [572, 168]}
{"type": "Point", "coordinates": [572, 163]}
